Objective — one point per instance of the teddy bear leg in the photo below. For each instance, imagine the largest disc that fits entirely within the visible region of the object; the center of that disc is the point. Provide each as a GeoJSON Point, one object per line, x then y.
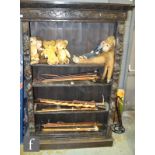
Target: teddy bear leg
{"type": "Point", "coordinates": [109, 75]}
{"type": "Point", "coordinates": [50, 62]}
{"type": "Point", "coordinates": [67, 61]}
{"type": "Point", "coordinates": [105, 72]}
{"type": "Point", "coordinates": [75, 59]}
{"type": "Point", "coordinates": [60, 62]}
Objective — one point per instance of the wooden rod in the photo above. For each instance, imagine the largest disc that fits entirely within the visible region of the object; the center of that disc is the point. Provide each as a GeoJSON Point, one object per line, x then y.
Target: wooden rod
{"type": "Point", "coordinates": [69, 79]}
{"type": "Point", "coordinates": [81, 124]}
{"type": "Point", "coordinates": [64, 103]}
{"type": "Point", "coordinates": [95, 128]}
{"type": "Point", "coordinates": [73, 101]}
{"type": "Point", "coordinates": [64, 109]}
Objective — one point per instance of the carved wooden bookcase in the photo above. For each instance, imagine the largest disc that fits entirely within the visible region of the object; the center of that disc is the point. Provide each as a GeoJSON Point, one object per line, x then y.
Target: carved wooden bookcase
{"type": "Point", "coordinates": [84, 13]}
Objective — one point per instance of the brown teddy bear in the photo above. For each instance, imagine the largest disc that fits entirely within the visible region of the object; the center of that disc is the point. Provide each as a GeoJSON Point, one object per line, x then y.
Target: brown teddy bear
{"type": "Point", "coordinates": [47, 43]}
{"type": "Point", "coordinates": [49, 52]}
{"type": "Point", "coordinates": [106, 58]}
{"type": "Point", "coordinates": [62, 53]}
{"type": "Point", "coordinates": [42, 58]}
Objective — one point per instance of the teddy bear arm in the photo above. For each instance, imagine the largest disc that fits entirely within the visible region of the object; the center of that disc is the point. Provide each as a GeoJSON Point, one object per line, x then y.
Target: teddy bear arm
{"type": "Point", "coordinates": [109, 74]}
{"type": "Point", "coordinates": [67, 53]}
{"type": "Point", "coordinates": [67, 61]}
{"type": "Point", "coordinates": [105, 72]}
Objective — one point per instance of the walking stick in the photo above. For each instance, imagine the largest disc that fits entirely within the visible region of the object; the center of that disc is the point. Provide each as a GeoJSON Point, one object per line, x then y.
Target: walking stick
{"type": "Point", "coordinates": [118, 127]}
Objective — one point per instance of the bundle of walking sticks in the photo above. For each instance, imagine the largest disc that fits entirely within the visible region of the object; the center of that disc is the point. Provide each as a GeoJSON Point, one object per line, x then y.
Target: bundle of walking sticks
{"type": "Point", "coordinates": [48, 78]}
{"type": "Point", "coordinates": [74, 103]}
{"type": "Point", "coordinates": [69, 127]}
{"type": "Point", "coordinates": [50, 105]}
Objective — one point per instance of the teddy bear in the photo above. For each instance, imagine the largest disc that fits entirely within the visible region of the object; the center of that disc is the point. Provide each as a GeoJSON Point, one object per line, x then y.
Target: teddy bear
{"type": "Point", "coordinates": [39, 45]}
{"type": "Point", "coordinates": [49, 52]}
{"type": "Point", "coordinates": [62, 53]}
{"type": "Point", "coordinates": [47, 43]}
{"type": "Point", "coordinates": [106, 58]}
{"type": "Point", "coordinates": [33, 50]}
{"type": "Point", "coordinates": [42, 59]}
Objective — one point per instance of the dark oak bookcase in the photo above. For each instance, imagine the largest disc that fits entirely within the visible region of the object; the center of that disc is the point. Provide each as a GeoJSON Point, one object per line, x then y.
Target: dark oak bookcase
{"type": "Point", "coordinates": [83, 25]}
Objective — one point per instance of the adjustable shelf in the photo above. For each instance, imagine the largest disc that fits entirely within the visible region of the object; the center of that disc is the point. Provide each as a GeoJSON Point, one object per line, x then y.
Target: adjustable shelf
{"type": "Point", "coordinates": [70, 84]}
{"type": "Point", "coordinates": [67, 69]}
{"type": "Point", "coordinates": [104, 109]}
{"type": "Point", "coordinates": [70, 112]}
{"type": "Point", "coordinates": [85, 93]}
{"type": "Point", "coordinates": [68, 65]}
{"type": "Point", "coordinates": [101, 117]}
{"type": "Point", "coordinates": [71, 134]}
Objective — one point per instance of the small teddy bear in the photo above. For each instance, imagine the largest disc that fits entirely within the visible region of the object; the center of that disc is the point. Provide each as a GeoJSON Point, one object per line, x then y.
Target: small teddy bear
{"type": "Point", "coordinates": [49, 52]}
{"type": "Point", "coordinates": [47, 43]}
{"type": "Point", "coordinates": [40, 49]}
{"type": "Point", "coordinates": [62, 53]}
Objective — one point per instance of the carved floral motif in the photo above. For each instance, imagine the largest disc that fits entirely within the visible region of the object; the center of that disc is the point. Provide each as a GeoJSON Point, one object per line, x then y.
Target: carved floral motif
{"type": "Point", "coordinates": [66, 14]}
{"type": "Point", "coordinates": [28, 75]}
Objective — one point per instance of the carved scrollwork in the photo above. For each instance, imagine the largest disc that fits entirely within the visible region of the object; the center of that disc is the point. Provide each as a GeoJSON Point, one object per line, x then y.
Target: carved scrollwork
{"type": "Point", "coordinates": [28, 75]}
{"type": "Point", "coordinates": [69, 14]}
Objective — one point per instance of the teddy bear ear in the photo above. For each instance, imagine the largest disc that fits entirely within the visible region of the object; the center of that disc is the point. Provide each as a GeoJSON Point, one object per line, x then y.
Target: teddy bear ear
{"type": "Point", "coordinates": [33, 38]}
{"type": "Point", "coordinates": [113, 39]}
{"type": "Point", "coordinates": [114, 42]}
{"type": "Point", "coordinates": [66, 41]}
{"type": "Point", "coordinates": [53, 42]}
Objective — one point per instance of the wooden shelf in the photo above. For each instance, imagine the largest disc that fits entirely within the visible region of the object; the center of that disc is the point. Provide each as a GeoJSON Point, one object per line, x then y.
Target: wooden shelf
{"type": "Point", "coordinates": [75, 140]}
{"type": "Point", "coordinates": [101, 132]}
{"type": "Point", "coordinates": [70, 84]}
{"type": "Point", "coordinates": [70, 112]}
{"type": "Point", "coordinates": [68, 143]}
{"type": "Point", "coordinates": [68, 65]}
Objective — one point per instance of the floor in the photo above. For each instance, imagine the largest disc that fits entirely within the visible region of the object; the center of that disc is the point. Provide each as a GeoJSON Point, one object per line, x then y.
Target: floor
{"type": "Point", "coordinates": [124, 144]}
